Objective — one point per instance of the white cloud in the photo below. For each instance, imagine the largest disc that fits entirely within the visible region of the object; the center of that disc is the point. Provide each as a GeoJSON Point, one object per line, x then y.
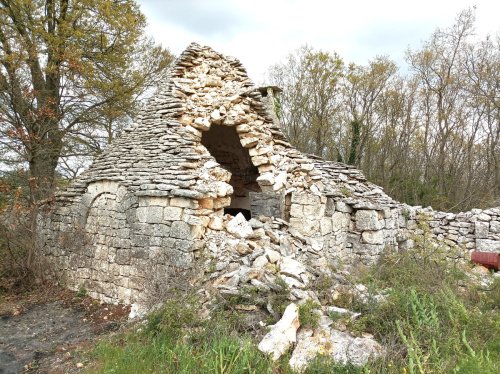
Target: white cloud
{"type": "Point", "coordinates": [263, 32]}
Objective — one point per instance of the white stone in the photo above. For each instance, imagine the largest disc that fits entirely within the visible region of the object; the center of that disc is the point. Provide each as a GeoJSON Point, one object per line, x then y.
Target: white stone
{"type": "Point", "coordinates": [260, 262]}
{"type": "Point", "coordinates": [136, 311]}
{"type": "Point", "coordinates": [292, 282]}
{"type": "Point", "coordinates": [347, 312]}
{"type": "Point", "coordinates": [305, 351]}
{"type": "Point", "coordinates": [266, 179]}
{"type": "Point", "coordinates": [273, 256]}
{"type": "Point", "coordinates": [325, 225]}
{"type": "Point", "coordinates": [239, 227]}
{"type": "Point", "coordinates": [483, 217]}
{"type": "Point", "coordinates": [216, 223]}
{"type": "Point", "coordinates": [172, 213]}
{"type": "Point", "coordinates": [279, 181]}
{"type": "Point", "coordinates": [184, 202]}
{"type": "Point", "coordinates": [150, 214]}
{"type": "Point", "coordinates": [291, 267]}
{"type": "Point", "coordinates": [283, 334]}
{"type": "Point", "coordinates": [201, 123]}
{"type": "Point", "coordinates": [356, 351]}
{"type": "Point", "coordinates": [373, 237]}
{"type": "Point", "coordinates": [488, 245]}
{"type": "Point", "coordinates": [367, 220]}
{"type": "Point", "coordinates": [340, 221]}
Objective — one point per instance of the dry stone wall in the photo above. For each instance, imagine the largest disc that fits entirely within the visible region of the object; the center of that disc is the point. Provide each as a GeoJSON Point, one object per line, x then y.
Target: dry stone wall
{"type": "Point", "coordinates": [152, 205]}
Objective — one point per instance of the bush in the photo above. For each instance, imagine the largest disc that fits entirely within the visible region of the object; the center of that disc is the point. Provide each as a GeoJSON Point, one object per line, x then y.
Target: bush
{"type": "Point", "coordinates": [308, 314]}
{"type": "Point", "coordinates": [429, 323]}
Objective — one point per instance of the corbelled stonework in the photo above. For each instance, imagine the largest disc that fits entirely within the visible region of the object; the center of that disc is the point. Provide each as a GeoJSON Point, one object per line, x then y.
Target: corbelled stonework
{"type": "Point", "coordinates": [153, 202]}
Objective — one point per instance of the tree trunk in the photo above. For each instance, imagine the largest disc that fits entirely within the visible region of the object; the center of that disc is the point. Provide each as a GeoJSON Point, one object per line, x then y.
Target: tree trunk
{"type": "Point", "coordinates": [42, 165]}
{"type": "Point", "coordinates": [356, 136]}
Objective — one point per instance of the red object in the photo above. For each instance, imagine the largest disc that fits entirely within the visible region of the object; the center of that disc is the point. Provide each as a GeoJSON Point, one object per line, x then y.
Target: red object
{"type": "Point", "coordinates": [491, 260]}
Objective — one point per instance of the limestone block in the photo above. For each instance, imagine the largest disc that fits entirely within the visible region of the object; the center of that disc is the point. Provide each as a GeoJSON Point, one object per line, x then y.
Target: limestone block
{"type": "Point", "coordinates": [305, 227]}
{"type": "Point", "coordinates": [330, 207]}
{"type": "Point", "coordinates": [343, 207]}
{"type": "Point", "coordinates": [183, 202]}
{"type": "Point", "coordinates": [307, 348]}
{"type": "Point", "coordinates": [303, 198]}
{"type": "Point", "coordinates": [488, 245]}
{"type": "Point", "coordinates": [249, 142]}
{"type": "Point", "coordinates": [201, 123]}
{"type": "Point", "coordinates": [273, 256]}
{"type": "Point", "coordinates": [259, 151]}
{"type": "Point", "coordinates": [291, 267]}
{"type": "Point", "coordinates": [260, 262]}
{"type": "Point", "coordinates": [340, 221]}
{"type": "Point", "coordinates": [260, 160]}
{"type": "Point", "coordinates": [172, 213]}
{"type": "Point", "coordinates": [153, 214]}
{"type": "Point", "coordinates": [182, 245]}
{"type": "Point", "coordinates": [373, 237]}
{"type": "Point", "coordinates": [216, 223]}
{"type": "Point", "coordinates": [483, 217]}
{"type": "Point", "coordinates": [153, 201]}
{"type": "Point", "coordinates": [495, 227]}
{"type": "Point", "coordinates": [368, 220]}
{"type": "Point", "coordinates": [223, 189]}
{"type": "Point", "coordinates": [481, 229]}
{"type": "Point", "coordinates": [326, 226]}
{"type": "Point", "coordinates": [356, 351]}
{"type": "Point", "coordinates": [283, 334]}
{"type": "Point", "coordinates": [297, 210]}
{"type": "Point", "coordinates": [180, 230]}
{"type": "Point", "coordinates": [243, 128]}
{"type": "Point", "coordinates": [206, 203]}
{"type": "Point", "coordinates": [239, 227]}
{"type": "Point", "coordinates": [221, 202]}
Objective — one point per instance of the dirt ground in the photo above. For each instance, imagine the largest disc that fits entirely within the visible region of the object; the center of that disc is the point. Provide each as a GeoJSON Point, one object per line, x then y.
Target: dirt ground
{"type": "Point", "coordinates": [50, 331]}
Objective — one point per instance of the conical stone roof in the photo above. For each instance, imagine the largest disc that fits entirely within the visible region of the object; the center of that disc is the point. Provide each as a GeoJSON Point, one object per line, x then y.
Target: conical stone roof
{"type": "Point", "coordinates": [162, 154]}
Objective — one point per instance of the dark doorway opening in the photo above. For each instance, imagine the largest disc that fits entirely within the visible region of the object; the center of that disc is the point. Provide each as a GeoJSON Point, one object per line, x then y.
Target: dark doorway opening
{"type": "Point", "coordinates": [224, 145]}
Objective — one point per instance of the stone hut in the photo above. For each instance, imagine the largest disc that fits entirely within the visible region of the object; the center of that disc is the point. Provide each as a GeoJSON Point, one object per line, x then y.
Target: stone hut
{"type": "Point", "coordinates": [203, 150]}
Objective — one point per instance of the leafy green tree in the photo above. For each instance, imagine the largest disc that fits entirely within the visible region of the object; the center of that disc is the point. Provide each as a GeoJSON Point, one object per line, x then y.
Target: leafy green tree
{"type": "Point", "coordinates": [70, 71]}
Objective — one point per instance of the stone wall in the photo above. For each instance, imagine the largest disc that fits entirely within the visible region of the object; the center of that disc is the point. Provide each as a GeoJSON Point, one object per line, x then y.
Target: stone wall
{"type": "Point", "coordinates": [114, 243]}
{"type": "Point", "coordinates": [141, 215]}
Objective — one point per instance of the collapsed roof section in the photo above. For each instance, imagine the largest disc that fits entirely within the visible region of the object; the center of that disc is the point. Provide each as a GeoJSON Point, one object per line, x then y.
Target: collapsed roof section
{"type": "Point", "coordinates": [163, 154]}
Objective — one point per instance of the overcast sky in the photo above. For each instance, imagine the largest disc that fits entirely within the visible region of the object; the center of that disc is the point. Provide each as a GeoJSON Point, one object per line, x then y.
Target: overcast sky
{"type": "Point", "coordinates": [263, 32]}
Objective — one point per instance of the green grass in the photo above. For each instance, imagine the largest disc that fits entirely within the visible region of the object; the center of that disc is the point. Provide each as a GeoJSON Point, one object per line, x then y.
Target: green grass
{"type": "Point", "coordinates": [430, 322]}
{"type": "Point", "coordinates": [175, 340]}
{"type": "Point", "coordinates": [433, 320]}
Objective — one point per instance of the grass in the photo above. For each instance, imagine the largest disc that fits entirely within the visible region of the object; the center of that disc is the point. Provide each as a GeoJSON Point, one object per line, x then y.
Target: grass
{"type": "Point", "coordinates": [433, 320]}
{"type": "Point", "coordinates": [175, 340]}
{"type": "Point", "coordinates": [429, 322]}
{"type": "Point", "coordinates": [308, 314]}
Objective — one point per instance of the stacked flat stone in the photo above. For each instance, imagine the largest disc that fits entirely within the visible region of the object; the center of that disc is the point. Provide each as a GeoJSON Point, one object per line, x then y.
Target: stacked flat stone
{"type": "Point", "coordinates": [153, 202]}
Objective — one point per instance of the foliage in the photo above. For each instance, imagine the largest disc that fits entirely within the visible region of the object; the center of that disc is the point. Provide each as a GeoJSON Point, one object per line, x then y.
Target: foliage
{"type": "Point", "coordinates": [70, 75]}
{"type": "Point", "coordinates": [429, 322]}
{"type": "Point", "coordinates": [429, 136]}
{"type": "Point", "coordinates": [176, 340]}
{"type": "Point", "coordinates": [17, 237]}
{"type": "Point", "coordinates": [308, 314]}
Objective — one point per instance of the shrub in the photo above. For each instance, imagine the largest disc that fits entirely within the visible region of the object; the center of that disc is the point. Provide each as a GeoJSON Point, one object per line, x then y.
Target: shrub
{"type": "Point", "coordinates": [308, 314]}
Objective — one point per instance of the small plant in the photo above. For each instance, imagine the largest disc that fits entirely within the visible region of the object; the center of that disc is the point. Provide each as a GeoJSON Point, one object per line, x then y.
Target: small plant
{"type": "Point", "coordinates": [279, 298]}
{"type": "Point", "coordinates": [406, 214]}
{"type": "Point", "coordinates": [82, 292]}
{"type": "Point", "coordinates": [336, 316]}
{"type": "Point", "coordinates": [308, 314]}
{"type": "Point", "coordinates": [345, 191]}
